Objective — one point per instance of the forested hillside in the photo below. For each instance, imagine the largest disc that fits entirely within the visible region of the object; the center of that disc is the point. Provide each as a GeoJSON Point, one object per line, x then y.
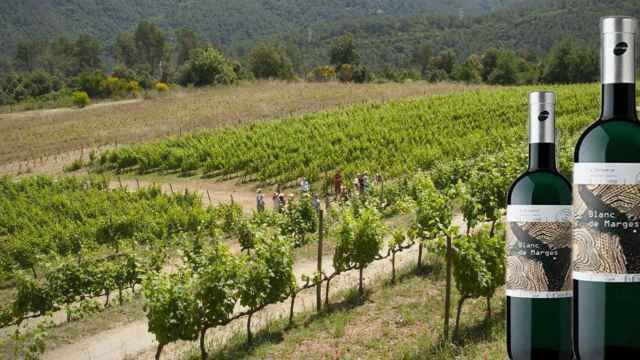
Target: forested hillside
{"type": "Point", "coordinates": [532, 27]}
{"type": "Point", "coordinates": [220, 21]}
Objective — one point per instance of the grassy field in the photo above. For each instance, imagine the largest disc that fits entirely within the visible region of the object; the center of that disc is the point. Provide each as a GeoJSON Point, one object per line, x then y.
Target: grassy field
{"type": "Point", "coordinates": [35, 134]}
{"type": "Point", "coordinates": [393, 321]}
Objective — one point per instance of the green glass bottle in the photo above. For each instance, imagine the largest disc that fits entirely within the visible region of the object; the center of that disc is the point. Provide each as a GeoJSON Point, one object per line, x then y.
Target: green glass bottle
{"type": "Point", "coordinates": [539, 247]}
{"type": "Point", "coordinates": [606, 239]}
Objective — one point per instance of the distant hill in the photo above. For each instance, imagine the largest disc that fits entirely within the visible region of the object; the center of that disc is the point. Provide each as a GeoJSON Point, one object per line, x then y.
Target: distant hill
{"type": "Point", "coordinates": [533, 26]}
{"type": "Point", "coordinates": [385, 31]}
{"type": "Point", "coordinates": [220, 21]}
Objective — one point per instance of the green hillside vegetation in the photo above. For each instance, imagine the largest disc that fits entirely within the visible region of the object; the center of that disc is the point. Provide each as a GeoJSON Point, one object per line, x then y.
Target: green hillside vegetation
{"type": "Point", "coordinates": [532, 28]}
{"type": "Point", "coordinates": [220, 21]}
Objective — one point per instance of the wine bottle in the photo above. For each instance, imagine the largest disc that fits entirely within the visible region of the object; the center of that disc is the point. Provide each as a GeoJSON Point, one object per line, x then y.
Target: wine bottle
{"type": "Point", "coordinates": [606, 209]}
{"type": "Point", "coordinates": [538, 286]}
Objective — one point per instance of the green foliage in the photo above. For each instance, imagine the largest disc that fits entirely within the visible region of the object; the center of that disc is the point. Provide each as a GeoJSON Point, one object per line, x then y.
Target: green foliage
{"type": "Point", "coordinates": [470, 71]}
{"type": "Point", "coordinates": [31, 298]}
{"type": "Point", "coordinates": [229, 215]}
{"type": "Point", "coordinates": [187, 41]}
{"type": "Point", "coordinates": [81, 99]}
{"type": "Point", "coordinates": [343, 51]}
{"type": "Point", "coordinates": [358, 239]}
{"type": "Point", "coordinates": [300, 219]}
{"type": "Point", "coordinates": [207, 67]}
{"type": "Point", "coordinates": [569, 63]}
{"type": "Point", "coordinates": [345, 73]}
{"type": "Point", "coordinates": [434, 209]}
{"type": "Point", "coordinates": [216, 286]}
{"type": "Point", "coordinates": [479, 266]}
{"type": "Point", "coordinates": [150, 44]}
{"type": "Point", "coordinates": [323, 73]}
{"type": "Point", "coordinates": [172, 307]}
{"type": "Point", "coordinates": [270, 61]}
{"type": "Point", "coordinates": [268, 273]}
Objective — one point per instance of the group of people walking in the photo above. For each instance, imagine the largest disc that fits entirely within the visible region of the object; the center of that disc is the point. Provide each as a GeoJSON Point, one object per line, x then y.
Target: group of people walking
{"type": "Point", "coordinates": [361, 184]}
{"type": "Point", "coordinates": [281, 200]}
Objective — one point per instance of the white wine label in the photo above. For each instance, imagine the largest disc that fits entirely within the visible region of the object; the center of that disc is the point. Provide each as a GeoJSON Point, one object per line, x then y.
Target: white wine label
{"type": "Point", "coordinates": [606, 173]}
{"type": "Point", "coordinates": [539, 251]}
{"type": "Point", "coordinates": [538, 213]}
{"type": "Point", "coordinates": [606, 235]}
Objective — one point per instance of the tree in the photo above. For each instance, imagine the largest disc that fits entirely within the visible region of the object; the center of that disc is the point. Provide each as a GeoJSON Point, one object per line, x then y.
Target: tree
{"type": "Point", "coordinates": [60, 57]}
{"type": "Point", "coordinates": [86, 53]}
{"type": "Point", "coordinates": [270, 61]}
{"type": "Point", "coordinates": [505, 71]}
{"type": "Point", "coordinates": [29, 54]}
{"type": "Point", "coordinates": [445, 61]}
{"type": "Point", "coordinates": [150, 44]}
{"type": "Point", "coordinates": [187, 41]}
{"type": "Point", "coordinates": [422, 57]}
{"type": "Point", "coordinates": [569, 63]}
{"type": "Point", "coordinates": [489, 60]}
{"type": "Point", "coordinates": [207, 67]}
{"type": "Point", "coordinates": [343, 51]}
{"type": "Point", "coordinates": [470, 71]}
{"type": "Point", "coordinates": [124, 49]}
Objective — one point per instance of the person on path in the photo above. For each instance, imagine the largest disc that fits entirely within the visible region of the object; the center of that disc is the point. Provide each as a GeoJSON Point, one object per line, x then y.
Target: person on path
{"type": "Point", "coordinates": [260, 201]}
{"type": "Point", "coordinates": [276, 202]}
{"type": "Point", "coordinates": [282, 201]}
{"type": "Point", "coordinates": [315, 202]}
{"type": "Point", "coordinates": [365, 183]}
{"type": "Point", "coordinates": [305, 187]}
{"type": "Point", "coordinates": [337, 184]}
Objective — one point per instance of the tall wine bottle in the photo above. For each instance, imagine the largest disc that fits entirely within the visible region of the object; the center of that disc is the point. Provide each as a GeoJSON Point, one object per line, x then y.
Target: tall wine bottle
{"type": "Point", "coordinates": [539, 247]}
{"type": "Point", "coordinates": [606, 207]}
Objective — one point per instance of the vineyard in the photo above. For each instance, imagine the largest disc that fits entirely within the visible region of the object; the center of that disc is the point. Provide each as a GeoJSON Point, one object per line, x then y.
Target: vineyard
{"type": "Point", "coordinates": [395, 138]}
{"type": "Point", "coordinates": [67, 243]}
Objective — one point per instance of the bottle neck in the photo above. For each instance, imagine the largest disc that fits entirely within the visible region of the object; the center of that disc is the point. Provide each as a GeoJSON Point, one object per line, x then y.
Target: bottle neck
{"type": "Point", "coordinates": [542, 156]}
{"type": "Point", "coordinates": [619, 102]}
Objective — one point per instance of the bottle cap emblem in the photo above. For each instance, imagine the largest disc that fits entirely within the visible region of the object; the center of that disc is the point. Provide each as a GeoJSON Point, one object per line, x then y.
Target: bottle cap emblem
{"type": "Point", "coordinates": [620, 48]}
{"type": "Point", "coordinates": [543, 116]}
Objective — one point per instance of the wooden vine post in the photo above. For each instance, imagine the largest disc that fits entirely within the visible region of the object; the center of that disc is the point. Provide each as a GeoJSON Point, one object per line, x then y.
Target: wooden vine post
{"type": "Point", "coordinates": [319, 272]}
{"type": "Point", "coordinates": [447, 296]}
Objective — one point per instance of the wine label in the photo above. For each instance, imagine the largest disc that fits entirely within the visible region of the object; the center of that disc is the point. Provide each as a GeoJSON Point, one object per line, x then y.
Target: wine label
{"type": "Point", "coordinates": [606, 234]}
{"type": "Point", "coordinates": [539, 251]}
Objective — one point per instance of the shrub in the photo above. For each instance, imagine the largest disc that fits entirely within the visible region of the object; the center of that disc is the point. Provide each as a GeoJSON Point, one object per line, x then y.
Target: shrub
{"type": "Point", "coordinates": [345, 73]}
{"type": "Point", "coordinates": [92, 83]}
{"type": "Point", "coordinates": [361, 74]}
{"type": "Point", "coordinates": [323, 73]}
{"type": "Point", "coordinates": [114, 87]}
{"type": "Point", "coordinates": [207, 67]}
{"type": "Point", "coordinates": [81, 98]}
{"type": "Point", "coordinates": [270, 61]}
{"type": "Point", "coordinates": [162, 87]}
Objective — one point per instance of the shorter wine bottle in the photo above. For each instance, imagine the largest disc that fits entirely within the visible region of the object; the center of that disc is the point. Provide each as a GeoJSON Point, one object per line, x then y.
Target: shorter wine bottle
{"type": "Point", "coordinates": [538, 285]}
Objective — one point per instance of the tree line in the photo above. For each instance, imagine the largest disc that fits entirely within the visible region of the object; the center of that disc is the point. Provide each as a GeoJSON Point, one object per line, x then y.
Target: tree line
{"type": "Point", "coordinates": [145, 59]}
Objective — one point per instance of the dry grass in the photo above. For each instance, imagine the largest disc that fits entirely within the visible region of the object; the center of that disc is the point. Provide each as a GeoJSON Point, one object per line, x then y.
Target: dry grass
{"type": "Point", "coordinates": [36, 134]}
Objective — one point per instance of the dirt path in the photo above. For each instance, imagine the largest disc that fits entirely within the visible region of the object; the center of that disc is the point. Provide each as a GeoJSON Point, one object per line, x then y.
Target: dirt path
{"type": "Point", "coordinates": [212, 192]}
{"type": "Point", "coordinates": [55, 111]}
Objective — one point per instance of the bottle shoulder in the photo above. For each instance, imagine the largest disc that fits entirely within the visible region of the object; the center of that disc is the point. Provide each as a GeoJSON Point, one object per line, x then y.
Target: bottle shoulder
{"type": "Point", "coordinates": [541, 187]}
{"type": "Point", "coordinates": [609, 141]}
